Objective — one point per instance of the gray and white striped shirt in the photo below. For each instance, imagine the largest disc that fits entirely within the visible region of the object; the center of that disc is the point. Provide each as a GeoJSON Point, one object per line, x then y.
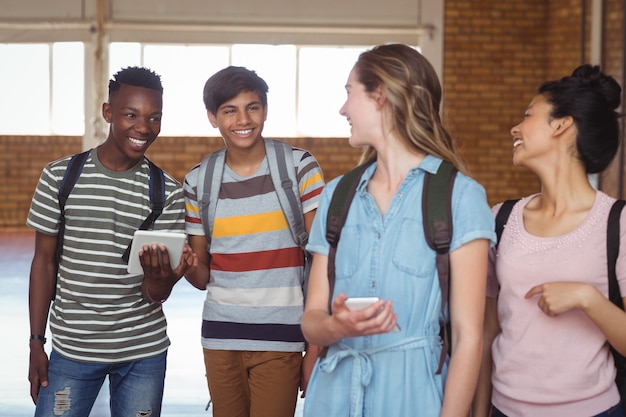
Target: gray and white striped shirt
{"type": "Point", "coordinates": [99, 313]}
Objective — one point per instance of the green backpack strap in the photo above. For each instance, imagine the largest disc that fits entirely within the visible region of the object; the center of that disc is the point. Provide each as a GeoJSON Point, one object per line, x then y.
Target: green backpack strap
{"type": "Point", "coordinates": [336, 218]}
{"type": "Point", "coordinates": [437, 218]}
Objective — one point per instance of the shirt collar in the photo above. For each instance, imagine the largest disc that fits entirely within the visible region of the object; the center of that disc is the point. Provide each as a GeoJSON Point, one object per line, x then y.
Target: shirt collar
{"type": "Point", "coordinates": [430, 164]}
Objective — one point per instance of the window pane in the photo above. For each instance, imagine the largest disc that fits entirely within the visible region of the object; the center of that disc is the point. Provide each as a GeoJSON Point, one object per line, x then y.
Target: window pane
{"type": "Point", "coordinates": [184, 70]}
{"type": "Point", "coordinates": [276, 64]}
{"type": "Point", "coordinates": [321, 90]}
{"type": "Point", "coordinates": [68, 88]}
{"type": "Point", "coordinates": [122, 55]}
{"type": "Point", "coordinates": [25, 79]}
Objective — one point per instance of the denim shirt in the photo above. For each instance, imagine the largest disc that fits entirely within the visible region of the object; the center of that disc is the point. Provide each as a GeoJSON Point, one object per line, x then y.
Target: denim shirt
{"type": "Point", "coordinates": [388, 257]}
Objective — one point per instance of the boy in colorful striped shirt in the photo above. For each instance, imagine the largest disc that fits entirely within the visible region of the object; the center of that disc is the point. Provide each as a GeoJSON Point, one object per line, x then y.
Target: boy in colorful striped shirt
{"type": "Point", "coordinates": [251, 266]}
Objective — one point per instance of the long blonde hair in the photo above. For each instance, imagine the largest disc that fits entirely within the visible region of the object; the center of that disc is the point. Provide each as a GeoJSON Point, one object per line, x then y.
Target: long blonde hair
{"type": "Point", "coordinates": [414, 93]}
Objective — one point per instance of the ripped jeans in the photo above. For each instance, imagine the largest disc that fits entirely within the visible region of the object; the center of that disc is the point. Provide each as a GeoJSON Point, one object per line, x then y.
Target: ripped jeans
{"type": "Point", "coordinates": [136, 388]}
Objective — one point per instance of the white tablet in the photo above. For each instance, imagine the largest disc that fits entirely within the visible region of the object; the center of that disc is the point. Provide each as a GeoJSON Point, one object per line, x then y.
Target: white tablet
{"type": "Point", "coordinates": [174, 242]}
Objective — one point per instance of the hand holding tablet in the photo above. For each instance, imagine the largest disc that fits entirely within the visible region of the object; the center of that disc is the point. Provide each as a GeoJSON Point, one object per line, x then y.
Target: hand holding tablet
{"type": "Point", "coordinates": [174, 242]}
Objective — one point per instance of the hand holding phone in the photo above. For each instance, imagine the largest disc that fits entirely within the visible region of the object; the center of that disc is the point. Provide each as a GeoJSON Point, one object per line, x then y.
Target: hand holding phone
{"type": "Point", "coordinates": [361, 303]}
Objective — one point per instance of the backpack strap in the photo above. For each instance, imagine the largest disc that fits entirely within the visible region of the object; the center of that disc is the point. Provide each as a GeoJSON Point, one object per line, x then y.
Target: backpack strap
{"type": "Point", "coordinates": [157, 201]}
{"type": "Point", "coordinates": [283, 173]}
{"type": "Point", "coordinates": [72, 172]}
{"type": "Point", "coordinates": [502, 217]}
{"type": "Point", "coordinates": [337, 213]}
{"type": "Point", "coordinates": [437, 219]}
{"type": "Point", "coordinates": [210, 178]}
{"type": "Point", "coordinates": [612, 250]}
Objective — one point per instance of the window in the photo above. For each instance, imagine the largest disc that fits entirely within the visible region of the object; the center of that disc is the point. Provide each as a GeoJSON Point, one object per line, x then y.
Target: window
{"type": "Point", "coordinates": [43, 89]}
{"type": "Point", "coordinates": [306, 84]}
{"type": "Point", "coordinates": [45, 83]}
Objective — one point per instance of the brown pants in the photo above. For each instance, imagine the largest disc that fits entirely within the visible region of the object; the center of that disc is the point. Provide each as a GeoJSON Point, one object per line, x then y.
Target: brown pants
{"type": "Point", "coordinates": [253, 384]}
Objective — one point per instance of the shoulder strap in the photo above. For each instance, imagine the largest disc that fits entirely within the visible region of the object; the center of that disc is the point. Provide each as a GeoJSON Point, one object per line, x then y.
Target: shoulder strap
{"type": "Point", "coordinates": [612, 250]}
{"type": "Point", "coordinates": [74, 168]}
{"type": "Point", "coordinates": [157, 201]}
{"type": "Point", "coordinates": [437, 219]}
{"type": "Point", "coordinates": [72, 172]}
{"type": "Point", "coordinates": [336, 218]}
{"type": "Point", "coordinates": [210, 178]}
{"type": "Point", "coordinates": [502, 217]}
{"type": "Point", "coordinates": [283, 173]}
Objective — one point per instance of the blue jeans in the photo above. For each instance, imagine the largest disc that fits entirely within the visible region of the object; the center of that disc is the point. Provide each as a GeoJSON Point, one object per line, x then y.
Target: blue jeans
{"type": "Point", "coordinates": [136, 388]}
{"type": "Point", "coordinates": [615, 411]}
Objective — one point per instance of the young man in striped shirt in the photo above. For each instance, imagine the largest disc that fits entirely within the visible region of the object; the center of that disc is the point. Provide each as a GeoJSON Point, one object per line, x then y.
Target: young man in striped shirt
{"type": "Point", "coordinates": [104, 321]}
{"type": "Point", "coordinates": [252, 269]}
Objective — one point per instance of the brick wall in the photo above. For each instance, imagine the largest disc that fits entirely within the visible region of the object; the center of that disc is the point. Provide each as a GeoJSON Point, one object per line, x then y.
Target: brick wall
{"type": "Point", "coordinates": [178, 155]}
{"type": "Point", "coordinates": [21, 160]}
{"type": "Point", "coordinates": [613, 65]}
{"type": "Point", "coordinates": [493, 58]}
{"type": "Point", "coordinates": [496, 53]}
{"type": "Point", "coordinates": [23, 157]}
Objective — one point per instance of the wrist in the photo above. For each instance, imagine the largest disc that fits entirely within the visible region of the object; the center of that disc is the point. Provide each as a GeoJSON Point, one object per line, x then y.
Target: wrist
{"type": "Point", "coordinates": [589, 297]}
{"type": "Point", "coordinates": [37, 338]}
{"type": "Point", "coordinates": [154, 300]}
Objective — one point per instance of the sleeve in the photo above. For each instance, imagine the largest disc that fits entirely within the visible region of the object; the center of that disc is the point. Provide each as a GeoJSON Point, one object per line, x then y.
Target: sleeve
{"type": "Point", "coordinates": [471, 216]}
{"type": "Point", "coordinates": [317, 237]}
{"type": "Point", "coordinates": [44, 214]}
{"type": "Point", "coordinates": [173, 216]}
{"type": "Point", "coordinates": [310, 179]}
{"type": "Point", "coordinates": [193, 220]}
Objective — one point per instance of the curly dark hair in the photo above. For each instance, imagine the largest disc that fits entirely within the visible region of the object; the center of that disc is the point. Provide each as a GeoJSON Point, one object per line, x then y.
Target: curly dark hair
{"type": "Point", "coordinates": [138, 77]}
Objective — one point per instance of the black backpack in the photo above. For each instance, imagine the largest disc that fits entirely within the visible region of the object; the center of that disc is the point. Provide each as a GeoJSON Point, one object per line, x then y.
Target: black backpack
{"type": "Point", "coordinates": [612, 251]}
{"type": "Point", "coordinates": [437, 216]}
{"type": "Point", "coordinates": [74, 168]}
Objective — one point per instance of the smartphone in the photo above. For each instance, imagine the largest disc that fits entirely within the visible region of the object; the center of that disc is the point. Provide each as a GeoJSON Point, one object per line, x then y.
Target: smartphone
{"type": "Point", "coordinates": [361, 303]}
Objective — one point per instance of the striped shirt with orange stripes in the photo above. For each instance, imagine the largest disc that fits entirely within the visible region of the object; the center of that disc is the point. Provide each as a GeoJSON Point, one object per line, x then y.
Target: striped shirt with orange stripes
{"type": "Point", "coordinates": [254, 297]}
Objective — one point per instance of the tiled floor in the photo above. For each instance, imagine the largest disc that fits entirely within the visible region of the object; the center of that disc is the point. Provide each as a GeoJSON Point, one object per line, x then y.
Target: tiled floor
{"type": "Point", "coordinates": [185, 386]}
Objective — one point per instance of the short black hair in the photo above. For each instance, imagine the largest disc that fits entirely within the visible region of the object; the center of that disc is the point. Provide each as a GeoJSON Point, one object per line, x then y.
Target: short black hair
{"type": "Point", "coordinates": [136, 76]}
{"type": "Point", "coordinates": [229, 83]}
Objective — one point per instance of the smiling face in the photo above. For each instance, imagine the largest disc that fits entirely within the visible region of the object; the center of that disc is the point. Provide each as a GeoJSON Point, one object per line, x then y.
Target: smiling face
{"type": "Point", "coordinates": [134, 115]}
{"type": "Point", "coordinates": [361, 111]}
{"type": "Point", "coordinates": [240, 120]}
{"type": "Point", "coordinates": [533, 135]}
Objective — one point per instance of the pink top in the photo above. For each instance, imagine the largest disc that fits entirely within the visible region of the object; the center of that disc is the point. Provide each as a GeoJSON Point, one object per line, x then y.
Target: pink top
{"type": "Point", "coordinates": [552, 366]}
